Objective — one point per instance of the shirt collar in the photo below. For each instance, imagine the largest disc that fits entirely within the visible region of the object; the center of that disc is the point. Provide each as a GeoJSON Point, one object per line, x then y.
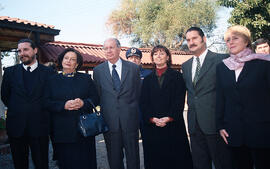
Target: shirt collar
{"type": "Point", "coordinates": [201, 57]}
{"type": "Point", "coordinates": [118, 63]}
{"type": "Point", "coordinates": [33, 66]}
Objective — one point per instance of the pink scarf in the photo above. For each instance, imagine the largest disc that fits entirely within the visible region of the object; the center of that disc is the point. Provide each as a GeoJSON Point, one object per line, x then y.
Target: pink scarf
{"type": "Point", "coordinates": [237, 61]}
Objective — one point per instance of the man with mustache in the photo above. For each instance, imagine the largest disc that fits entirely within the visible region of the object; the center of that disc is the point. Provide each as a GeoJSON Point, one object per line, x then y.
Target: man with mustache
{"type": "Point", "coordinates": [199, 74]}
{"type": "Point", "coordinates": [27, 122]}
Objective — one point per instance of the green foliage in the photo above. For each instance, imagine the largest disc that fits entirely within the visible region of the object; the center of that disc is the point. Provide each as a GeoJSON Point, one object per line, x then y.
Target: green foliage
{"type": "Point", "coordinates": [254, 14]}
{"type": "Point", "coordinates": [151, 22]}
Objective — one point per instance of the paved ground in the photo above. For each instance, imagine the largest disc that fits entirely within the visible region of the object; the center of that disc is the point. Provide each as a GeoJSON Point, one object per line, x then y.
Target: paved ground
{"type": "Point", "coordinates": [102, 163]}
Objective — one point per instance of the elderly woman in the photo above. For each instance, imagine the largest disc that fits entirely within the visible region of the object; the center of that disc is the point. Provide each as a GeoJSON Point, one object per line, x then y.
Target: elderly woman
{"type": "Point", "coordinates": [162, 103]}
{"type": "Point", "coordinates": [243, 99]}
{"type": "Point", "coordinates": [67, 96]}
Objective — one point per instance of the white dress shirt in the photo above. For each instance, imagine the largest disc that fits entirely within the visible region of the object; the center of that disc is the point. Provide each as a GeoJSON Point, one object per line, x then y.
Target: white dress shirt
{"type": "Point", "coordinates": [118, 67]}
{"type": "Point", "coordinates": [33, 66]}
{"type": "Point", "coordinates": [194, 63]}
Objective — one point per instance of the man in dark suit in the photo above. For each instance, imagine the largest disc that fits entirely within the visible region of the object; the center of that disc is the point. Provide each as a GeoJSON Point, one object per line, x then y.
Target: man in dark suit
{"type": "Point", "coordinates": [199, 74]}
{"type": "Point", "coordinates": [118, 83]}
{"type": "Point", "coordinates": [27, 123]}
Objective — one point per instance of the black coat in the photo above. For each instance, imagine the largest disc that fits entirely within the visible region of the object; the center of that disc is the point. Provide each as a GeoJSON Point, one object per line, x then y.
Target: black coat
{"type": "Point", "coordinates": [61, 89]}
{"type": "Point", "coordinates": [243, 106]}
{"type": "Point", "coordinates": [165, 147]}
{"type": "Point", "coordinates": [25, 113]}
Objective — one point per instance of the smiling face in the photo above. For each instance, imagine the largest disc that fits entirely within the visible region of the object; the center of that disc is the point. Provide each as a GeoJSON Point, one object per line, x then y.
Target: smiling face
{"type": "Point", "coordinates": [196, 43]}
{"type": "Point", "coordinates": [26, 53]}
{"type": "Point", "coordinates": [236, 43]}
{"type": "Point", "coordinates": [69, 62]}
{"type": "Point", "coordinates": [160, 58]}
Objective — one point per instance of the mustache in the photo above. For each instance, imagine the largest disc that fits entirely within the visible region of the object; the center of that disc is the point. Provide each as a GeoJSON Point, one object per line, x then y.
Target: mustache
{"type": "Point", "coordinates": [192, 46]}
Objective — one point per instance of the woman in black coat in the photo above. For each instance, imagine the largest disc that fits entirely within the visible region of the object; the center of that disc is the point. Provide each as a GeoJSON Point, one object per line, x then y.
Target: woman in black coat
{"type": "Point", "coordinates": [67, 96]}
{"type": "Point", "coordinates": [243, 99]}
{"type": "Point", "coordinates": [162, 103]}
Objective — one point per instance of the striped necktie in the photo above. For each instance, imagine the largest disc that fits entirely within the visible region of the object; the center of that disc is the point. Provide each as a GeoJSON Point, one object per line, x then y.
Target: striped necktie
{"type": "Point", "coordinates": [197, 72]}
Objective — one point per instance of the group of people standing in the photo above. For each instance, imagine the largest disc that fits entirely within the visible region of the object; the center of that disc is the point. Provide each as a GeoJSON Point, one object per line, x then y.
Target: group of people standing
{"type": "Point", "coordinates": [227, 96]}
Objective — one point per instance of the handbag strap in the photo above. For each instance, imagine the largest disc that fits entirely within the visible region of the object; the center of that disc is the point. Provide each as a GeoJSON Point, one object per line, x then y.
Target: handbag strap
{"type": "Point", "coordinates": [94, 107]}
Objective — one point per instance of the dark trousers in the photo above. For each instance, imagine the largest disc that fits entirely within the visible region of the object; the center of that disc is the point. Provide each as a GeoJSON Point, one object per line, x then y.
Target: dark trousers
{"type": "Point", "coordinates": [248, 158]}
{"type": "Point", "coordinates": [20, 151]}
{"type": "Point", "coordinates": [116, 142]}
{"type": "Point", "coordinates": [78, 155]}
{"type": "Point", "coordinates": [207, 149]}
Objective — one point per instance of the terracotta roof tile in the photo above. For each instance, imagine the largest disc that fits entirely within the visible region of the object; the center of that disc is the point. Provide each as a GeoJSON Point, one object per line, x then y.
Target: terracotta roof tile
{"type": "Point", "coordinates": [17, 20]}
{"type": "Point", "coordinates": [93, 53]}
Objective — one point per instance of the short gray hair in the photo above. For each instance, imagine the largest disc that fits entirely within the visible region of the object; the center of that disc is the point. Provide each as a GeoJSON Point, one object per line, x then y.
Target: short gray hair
{"type": "Point", "coordinates": [118, 44]}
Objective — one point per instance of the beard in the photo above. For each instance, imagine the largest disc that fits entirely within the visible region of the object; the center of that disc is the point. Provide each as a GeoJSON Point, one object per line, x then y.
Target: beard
{"type": "Point", "coordinates": [29, 60]}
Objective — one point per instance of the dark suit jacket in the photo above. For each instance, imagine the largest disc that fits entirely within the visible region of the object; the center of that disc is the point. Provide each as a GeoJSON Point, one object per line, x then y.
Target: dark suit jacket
{"type": "Point", "coordinates": [119, 108]}
{"type": "Point", "coordinates": [202, 98]}
{"type": "Point", "coordinates": [61, 89]}
{"type": "Point", "coordinates": [25, 113]}
{"type": "Point", "coordinates": [243, 106]}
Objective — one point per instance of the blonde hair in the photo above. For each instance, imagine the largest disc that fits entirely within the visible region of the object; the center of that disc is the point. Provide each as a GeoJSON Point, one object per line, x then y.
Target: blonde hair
{"type": "Point", "coordinates": [239, 30]}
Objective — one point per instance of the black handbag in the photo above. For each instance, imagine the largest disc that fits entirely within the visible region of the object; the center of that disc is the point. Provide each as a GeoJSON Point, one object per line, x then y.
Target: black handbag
{"type": "Point", "coordinates": [92, 124]}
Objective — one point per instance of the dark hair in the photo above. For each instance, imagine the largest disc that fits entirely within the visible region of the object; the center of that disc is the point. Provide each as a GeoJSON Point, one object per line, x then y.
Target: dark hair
{"type": "Point", "coordinates": [79, 58]}
{"type": "Point", "coordinates": [261, 41]}
{"type": "Point", "coordinates": [32, 44]}
{"type": "Point", "coordinates": [166, 50]}
{"type": "Point", "coordinates": [199, 30]}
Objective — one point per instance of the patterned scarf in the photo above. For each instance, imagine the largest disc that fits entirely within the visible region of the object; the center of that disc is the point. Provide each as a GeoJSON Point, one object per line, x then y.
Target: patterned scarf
{"type": "Point", "coordinates": [237, 61]}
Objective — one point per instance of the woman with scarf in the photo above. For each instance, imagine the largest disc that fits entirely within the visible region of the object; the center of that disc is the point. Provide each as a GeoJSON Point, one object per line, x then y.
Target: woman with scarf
{"type": "Point", "coordinates": [162, 104]}
{"type": "Point", "coordinates": [243, 99]}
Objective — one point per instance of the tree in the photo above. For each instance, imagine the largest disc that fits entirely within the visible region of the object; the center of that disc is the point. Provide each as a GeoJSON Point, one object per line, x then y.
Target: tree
{"type": "Point", "coordinates": [254, 14]}
{"type": "Point", "coordinates": [151, 22]}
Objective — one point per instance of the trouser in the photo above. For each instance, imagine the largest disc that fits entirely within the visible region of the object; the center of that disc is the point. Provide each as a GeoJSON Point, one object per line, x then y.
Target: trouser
{"type": "Point", "coordinates": [116, 142]}
{"type": "Point", "coordinates": [20, 151]}
{"type": "Point", "coordinates": [246, 158]}
{"type": "Point", "coordinates": [207, 149]}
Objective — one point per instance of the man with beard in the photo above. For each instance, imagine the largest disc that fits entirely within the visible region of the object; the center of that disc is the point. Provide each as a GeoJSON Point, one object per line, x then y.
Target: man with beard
{"type": "Point", "coordinates": [199, 74]}
{"type": "Point", "coordinates": [27, 123]}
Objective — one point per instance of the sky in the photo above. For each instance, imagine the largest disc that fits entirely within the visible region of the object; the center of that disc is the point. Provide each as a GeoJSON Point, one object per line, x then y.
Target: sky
{"type": "Point", "coordinates": [79, 20]}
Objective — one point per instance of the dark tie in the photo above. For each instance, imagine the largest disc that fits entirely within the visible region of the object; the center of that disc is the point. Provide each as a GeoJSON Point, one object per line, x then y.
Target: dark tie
{"type": "Point", "coordinates": [115, 79]}
{"type": "Point", "coordinates": [197, 72]}
{"type": "Point", "coordinates": [28, 69]}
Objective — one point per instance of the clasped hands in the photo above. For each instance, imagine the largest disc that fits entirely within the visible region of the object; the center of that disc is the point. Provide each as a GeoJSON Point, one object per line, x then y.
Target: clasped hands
{"type": "Point", "coordinates": [161, 122]}
{"type": "Point", "coordinates": [75, 104]}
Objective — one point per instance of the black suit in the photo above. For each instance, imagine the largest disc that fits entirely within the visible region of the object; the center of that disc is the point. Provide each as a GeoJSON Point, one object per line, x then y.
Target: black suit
{"type": "Point", "coordinates": [27, 123]}
{"type": "Point", "coordinates": [243, 106]}
{"type": "Point", "coordinates": [73, 150]}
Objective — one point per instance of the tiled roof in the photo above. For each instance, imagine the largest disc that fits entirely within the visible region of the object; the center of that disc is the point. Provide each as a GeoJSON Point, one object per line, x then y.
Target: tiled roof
{"type": "Point", "coordinates": [93, 53]}
{"type": "Point", "coordinates": [17, 20]}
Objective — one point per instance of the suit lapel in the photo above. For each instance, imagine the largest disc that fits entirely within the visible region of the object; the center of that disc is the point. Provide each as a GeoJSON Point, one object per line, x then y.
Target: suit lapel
{"type": "Point", "coordinates": [107, 73]}
{"type": "Point", "coordinates": [19, 76]}
{"type": "Point", "coordinates": [243, 73]}
{"type": "Point", "coordinates": [124, 73]}
{"type": "Point", "coordinates": [208, 62]}
{"type": "Point", "coordinates": [189, 71]}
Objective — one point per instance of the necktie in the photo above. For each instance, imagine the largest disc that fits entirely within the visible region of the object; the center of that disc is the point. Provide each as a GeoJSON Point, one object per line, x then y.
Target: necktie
{"type": "Point", "coordinates": [115, 79]}
{"type": "Point", "coordinates": [28, 69]}
{"type": "Point", "coordinates": [197, 72]}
